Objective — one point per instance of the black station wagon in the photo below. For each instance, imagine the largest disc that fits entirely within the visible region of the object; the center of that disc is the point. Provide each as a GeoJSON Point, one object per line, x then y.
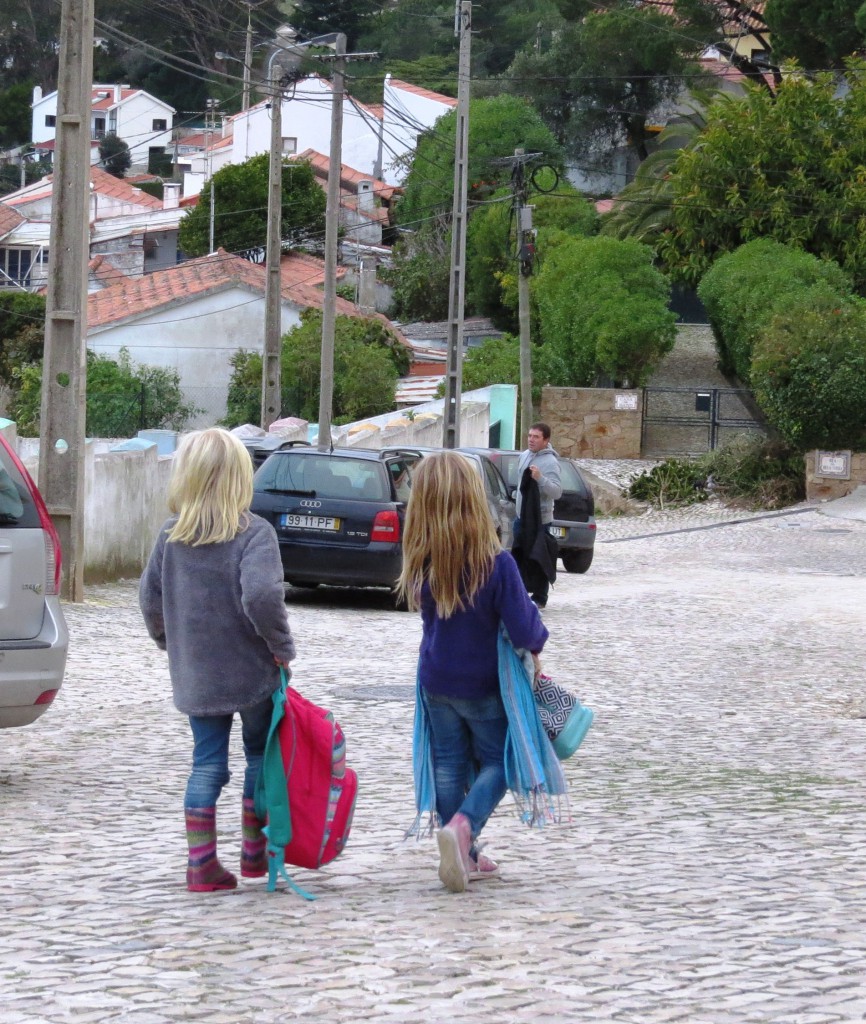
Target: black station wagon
{"type": "Point", "coordinates": [338, 515]}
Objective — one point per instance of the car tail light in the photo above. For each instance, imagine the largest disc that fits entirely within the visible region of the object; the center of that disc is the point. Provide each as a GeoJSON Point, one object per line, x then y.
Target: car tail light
{"type": "Point", "coordinates": [46, 697]}
{"type": "Point", "coordinates": [53, 554]}
{"type": "Point", "coordinates": [386, 527]}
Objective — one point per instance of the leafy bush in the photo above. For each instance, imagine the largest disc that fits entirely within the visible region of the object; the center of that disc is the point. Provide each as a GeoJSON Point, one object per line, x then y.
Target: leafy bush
{"type": "Point", "coordinates": [122, 398]}
{"type": "Point", "coordinates": [602, 309]}
{"type": "Point", "coordinates": [420, 275]}
{"type": "Point", "coordinates": [744, 289]}
{"type": "Point", "coordinates": [809, 371]}
{"type": "Point", "coordinates": [22, 332]}
{"type": "Point", "coordinates": [751, 471]}
{"type": "Point", "coordinates": [368, 359]}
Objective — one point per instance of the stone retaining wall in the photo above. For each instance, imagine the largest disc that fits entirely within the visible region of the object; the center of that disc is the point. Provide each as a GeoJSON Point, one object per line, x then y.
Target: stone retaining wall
{"type": "Point", "coordinates": [821, 488]}
{"type": "Point", "coordinates": [594, 423]}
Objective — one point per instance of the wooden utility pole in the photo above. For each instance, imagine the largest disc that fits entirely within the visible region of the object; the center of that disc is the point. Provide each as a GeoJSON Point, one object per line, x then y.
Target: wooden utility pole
{"type": "Point", "coordinates": [454, 372]}
{"type": "Point", "coordinates": [332, 224]}
{"type": "Point", "coordinates": [271, 361]}
{"type": "Point", "coordinates": [64, 380]}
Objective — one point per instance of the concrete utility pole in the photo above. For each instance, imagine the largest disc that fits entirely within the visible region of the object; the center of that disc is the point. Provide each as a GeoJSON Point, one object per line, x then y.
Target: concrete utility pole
{"type": "Point", "coordinates": [454, 373]}
{"type": "Point", "coordinates": [525, 256]}
{"type": "Point", "coordinates": [210, 128]}
{"type": "Point", "coordinates": [64, 380]}
{"type": "Point", "coordinates": [332, 224]}
{"type": "Point", "coordinates": [271, 356]}
{"type": "Point", "coordinates": [248, 59]}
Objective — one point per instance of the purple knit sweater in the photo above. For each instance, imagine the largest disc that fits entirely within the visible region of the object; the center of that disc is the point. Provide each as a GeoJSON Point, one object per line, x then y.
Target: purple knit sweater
{"type": "Point", "coordinates": [458, 655]}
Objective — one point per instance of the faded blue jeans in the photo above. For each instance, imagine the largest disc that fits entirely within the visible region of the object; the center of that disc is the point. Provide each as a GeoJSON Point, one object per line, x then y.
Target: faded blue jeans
{"type": "Point", "coordinates": [210, 755]}
{"type": "Point", "coordinates": [468, 744]}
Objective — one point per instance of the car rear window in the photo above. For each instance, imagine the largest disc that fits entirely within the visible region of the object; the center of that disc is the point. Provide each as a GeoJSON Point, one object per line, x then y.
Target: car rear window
{"type": "Point", "coordinates": [323, 476]}
{"type": "Point", "coordinates": [571, 481]}
{"type": "Point", "coordinates": [16, 505]}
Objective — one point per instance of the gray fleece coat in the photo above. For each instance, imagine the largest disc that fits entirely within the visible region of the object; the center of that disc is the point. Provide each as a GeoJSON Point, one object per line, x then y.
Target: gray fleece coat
{"type": "Point", "coordinates": [550, 484]}
{"type": "Point", "coordinates": [219, 611]}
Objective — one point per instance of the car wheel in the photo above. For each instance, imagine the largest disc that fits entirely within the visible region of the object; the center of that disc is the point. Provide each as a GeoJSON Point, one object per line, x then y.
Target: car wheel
{"type": "Point", "coordinates": [577, 561]}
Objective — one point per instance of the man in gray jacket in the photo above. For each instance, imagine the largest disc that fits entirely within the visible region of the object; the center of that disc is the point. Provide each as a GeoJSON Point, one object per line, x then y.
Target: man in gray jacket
{"type": "Point", "coordinates": [543, 464]}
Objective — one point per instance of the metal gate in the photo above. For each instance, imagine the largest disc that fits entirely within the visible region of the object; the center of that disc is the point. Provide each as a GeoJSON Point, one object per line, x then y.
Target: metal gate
{"type": "Point", "coordinates": [691, 421]}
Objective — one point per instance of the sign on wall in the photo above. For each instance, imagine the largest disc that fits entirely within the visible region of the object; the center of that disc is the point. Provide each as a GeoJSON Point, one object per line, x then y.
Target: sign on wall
{"type": "Point", "coordinates": [833, 465]}
{"type": "Point", "coordinates": [625, 402]}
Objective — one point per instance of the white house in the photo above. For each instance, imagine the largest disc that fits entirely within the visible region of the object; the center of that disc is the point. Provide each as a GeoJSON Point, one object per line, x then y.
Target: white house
{"type": "Point", "coordinates": [194, 317]}
{"type": "Point", "coordinates": [377, 140]}
{"type": "Point", "coordinates": [408, 110]}
{"type": "Point", "coordinates": [136, 232]}
{"type": "Point", "coordinates": [141, 120]}
{"type": "Point", "coordinates": [306, 124]}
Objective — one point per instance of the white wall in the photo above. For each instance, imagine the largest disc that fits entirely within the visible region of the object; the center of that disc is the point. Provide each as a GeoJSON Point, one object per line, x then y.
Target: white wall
{"type": "Point", "coordinates": [406, 115]}
{"type": "Point", "coordinates": [135, 118]}
{"type": "Point", "coordinates": [307, 117]}
{"type": "Point", "coordinates": [198, 340]}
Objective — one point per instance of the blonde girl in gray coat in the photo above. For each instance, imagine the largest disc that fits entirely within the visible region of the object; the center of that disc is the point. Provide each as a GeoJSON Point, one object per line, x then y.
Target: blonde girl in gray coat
{"type": "Point", "coordinates": [212, 597]}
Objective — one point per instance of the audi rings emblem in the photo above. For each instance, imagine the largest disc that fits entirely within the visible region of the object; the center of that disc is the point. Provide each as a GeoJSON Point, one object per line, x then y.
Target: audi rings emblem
{"type": "Point", "coordinates": [311, 504]}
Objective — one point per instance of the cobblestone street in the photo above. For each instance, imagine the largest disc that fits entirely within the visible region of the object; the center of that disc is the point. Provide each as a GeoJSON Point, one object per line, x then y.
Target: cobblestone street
{"type": "Point", "coordinates": [714, 871]}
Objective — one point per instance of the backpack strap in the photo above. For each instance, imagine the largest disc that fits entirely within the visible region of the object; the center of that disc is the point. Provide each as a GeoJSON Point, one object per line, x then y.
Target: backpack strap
{"type": "Point", "coordinates": [272, 794]}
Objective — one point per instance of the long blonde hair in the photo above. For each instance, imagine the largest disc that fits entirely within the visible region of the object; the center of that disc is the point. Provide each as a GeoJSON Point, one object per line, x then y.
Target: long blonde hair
{"type": "Point", "coordinates": [211, 488]}
{"type": "Point", "coordinates": [449, 539]}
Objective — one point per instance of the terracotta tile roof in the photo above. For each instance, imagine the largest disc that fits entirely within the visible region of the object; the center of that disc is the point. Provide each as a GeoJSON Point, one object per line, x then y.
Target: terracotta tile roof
{"type": "Point", "coordinates": [9, 219]}
{"type": "Point", "coordinates": [102, 102]}
{"type": "Point", "coordinates": [426, 93]}
{"type": "Point", "coordinates": [752, 14]}
{"type": "Point", "coordinates": [133, 298]}
{"type": "Point", "coordinates": [106, 184]}
{"type": "Point", "coordinates": [302, 268]}
{"type": "Point", "coordinates": [604, 205]}
{"type": "Point", "coordinates": [349, 177]}
{"type": "Point", "coordinates": [376, 109]}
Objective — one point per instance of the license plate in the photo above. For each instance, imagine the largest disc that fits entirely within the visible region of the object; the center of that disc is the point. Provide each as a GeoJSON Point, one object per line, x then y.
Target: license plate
{"type": "Point", "coordinates": [296, 522]}
{"type": "Point", "coordinates": [558, 531]}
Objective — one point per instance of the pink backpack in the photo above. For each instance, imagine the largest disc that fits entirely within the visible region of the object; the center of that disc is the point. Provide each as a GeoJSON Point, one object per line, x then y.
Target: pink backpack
{"type": "Point", "coordinates": [304, 788]}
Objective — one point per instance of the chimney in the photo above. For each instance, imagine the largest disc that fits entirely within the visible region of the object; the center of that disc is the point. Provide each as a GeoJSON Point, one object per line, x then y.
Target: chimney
{"type": "Point", "coordinates": [118, 89]}
{"type": "Point", "coordinates": [367, 285]}
{"type": "Point", "coordinates": [37, 94]}
{"type": "Point", "coordinates": [170, 195]}
{"type": "Point", "coordinates": [365, 196]}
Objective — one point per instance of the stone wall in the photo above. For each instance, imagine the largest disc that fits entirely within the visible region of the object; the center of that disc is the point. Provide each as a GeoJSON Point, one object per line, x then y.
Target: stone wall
{"type": "Point", "coordinates": [594, 423]}
{"type": "Point", "coordinates": [821, 488]}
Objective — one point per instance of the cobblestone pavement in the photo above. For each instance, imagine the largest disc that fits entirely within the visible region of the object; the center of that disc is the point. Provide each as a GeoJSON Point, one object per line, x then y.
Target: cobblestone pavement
{"type": "Point", "coordinates": [713, 872]}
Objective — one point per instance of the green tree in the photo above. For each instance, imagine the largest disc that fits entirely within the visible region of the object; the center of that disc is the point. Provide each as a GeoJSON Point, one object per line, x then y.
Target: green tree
{"type": "Point", "coordinates": [744, 289]}
{"type": "Point", "coordinates": [241, 206]}
{"type": "Point", "coordinates": [809, 370]}
{"type": "Point", "coordinates": [29, 43]}
{"type": "Point", "coordinates": [314, 18]}
{"type": "Point", "coordinates": [122, 397]}
{"type": "Point", "coordinates": [15, 123]}
{"type": "Point", "coordinates": [491, 246]}
{"type": "Point", "coordinates": [497, 126]}
{"type": "Point", "coordinates": [601, 77]}
{"type": "Point", "coordinates": [22, 332]}
{"type": "Point", "coordinates": [114, 155]}
{"type": "Point", "coordinates": [420, 274]}
{"type": "Point", "coordinates": [787, 168]}
{"type": "Point", "coordinates": [817, 33]}
{"type": "Point", "coordinates": [368, 359]}
{"type": "Point", "coordinates": [602, 309]}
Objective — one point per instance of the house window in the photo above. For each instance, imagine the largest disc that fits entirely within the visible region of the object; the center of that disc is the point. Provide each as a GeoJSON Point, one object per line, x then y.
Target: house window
{"type": "Point", "coordinates": [99, 127]}
{"type": "Point", "coordinates": [290, 145]}
{"type": "Point", "coordinates": [50, 121]}
{"type": "Point", "coordinates": [159, 124]}
{"type": "Point", "coordinates": [15, 266]}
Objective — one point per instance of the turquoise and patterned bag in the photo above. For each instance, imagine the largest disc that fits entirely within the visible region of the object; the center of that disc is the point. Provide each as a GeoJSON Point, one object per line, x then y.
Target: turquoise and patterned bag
{"type": "Point", "coordinates": [566, 721]}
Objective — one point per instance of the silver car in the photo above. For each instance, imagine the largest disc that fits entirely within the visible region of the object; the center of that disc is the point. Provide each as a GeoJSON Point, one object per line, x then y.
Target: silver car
{"type": "Point", "coordinates": [33, 635]}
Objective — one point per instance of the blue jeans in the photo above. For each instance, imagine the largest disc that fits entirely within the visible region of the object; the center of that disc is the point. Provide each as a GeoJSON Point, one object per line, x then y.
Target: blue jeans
{"type": "Point", "coordinates": [468, 756]}
{"type": "Point", "coordinates": [210, 754]}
